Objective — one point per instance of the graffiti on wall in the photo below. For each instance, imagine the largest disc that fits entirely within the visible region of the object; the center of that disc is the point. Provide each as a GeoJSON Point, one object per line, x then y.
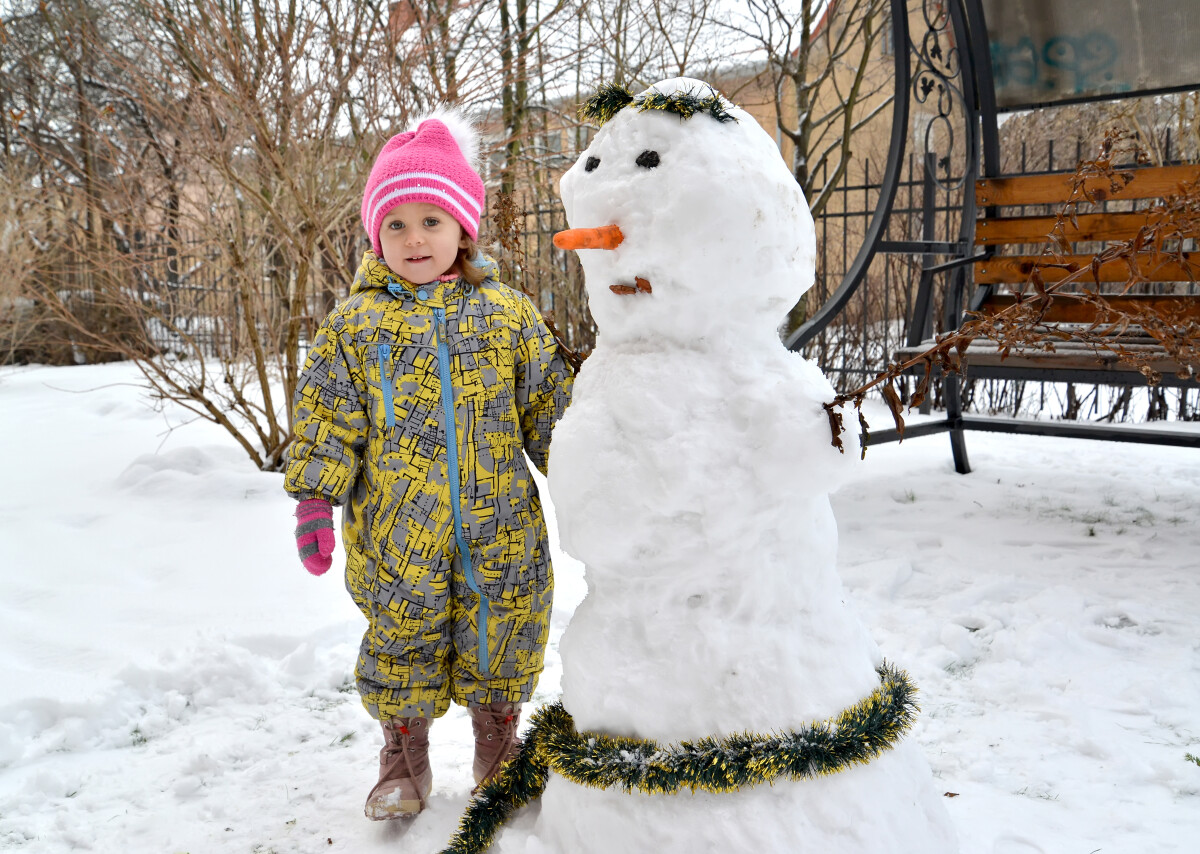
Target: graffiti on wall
{"type": "Point", "coordinates": [1062, 65]}
{"type": "Point", "coordinates": [1047, 51]}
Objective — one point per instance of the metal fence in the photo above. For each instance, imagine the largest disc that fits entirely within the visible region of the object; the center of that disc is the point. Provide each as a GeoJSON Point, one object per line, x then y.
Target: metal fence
{"type": "Point", "coordinates": [188, 281]}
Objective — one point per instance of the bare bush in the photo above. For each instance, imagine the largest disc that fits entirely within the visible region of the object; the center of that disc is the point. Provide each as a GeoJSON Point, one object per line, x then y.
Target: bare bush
{"type": "Point", "coordinates": [180, 145]}
{"type": "Point", "coordinates": [182, 180]}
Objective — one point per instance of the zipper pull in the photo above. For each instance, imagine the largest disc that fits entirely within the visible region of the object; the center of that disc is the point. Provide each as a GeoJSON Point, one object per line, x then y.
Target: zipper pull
{"type": "Point", "coordinates": [385, 385]}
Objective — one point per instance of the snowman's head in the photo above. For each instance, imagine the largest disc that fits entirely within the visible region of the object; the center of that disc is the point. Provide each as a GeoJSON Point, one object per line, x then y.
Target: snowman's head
{"type": "Point", "coordinates": [710, 218]}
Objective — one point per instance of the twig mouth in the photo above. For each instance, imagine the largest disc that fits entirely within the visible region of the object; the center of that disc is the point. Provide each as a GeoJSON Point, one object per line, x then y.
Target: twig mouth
{"type": "Point", "coordinates": [640, 286]}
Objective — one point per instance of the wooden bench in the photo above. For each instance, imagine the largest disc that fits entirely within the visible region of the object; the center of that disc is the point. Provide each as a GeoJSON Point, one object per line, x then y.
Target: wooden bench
{"type": "Point", "coordinates": [1011, 243]}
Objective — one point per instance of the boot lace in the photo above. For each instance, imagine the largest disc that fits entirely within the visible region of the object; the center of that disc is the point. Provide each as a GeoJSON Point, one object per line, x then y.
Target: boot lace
{"type": "Point", "coordinates": [399, 737]}
{"type": "Point", "coordinates": [502, 725]}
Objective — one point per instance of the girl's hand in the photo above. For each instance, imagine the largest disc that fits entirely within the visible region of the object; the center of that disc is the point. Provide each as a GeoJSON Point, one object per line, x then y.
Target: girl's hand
{"type": "Point", "coordinates": [314, 534]}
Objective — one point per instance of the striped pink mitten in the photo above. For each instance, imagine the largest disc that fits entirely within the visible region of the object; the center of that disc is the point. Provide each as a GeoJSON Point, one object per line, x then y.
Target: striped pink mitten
{"type": "Point", "coordinates": [314, 534]}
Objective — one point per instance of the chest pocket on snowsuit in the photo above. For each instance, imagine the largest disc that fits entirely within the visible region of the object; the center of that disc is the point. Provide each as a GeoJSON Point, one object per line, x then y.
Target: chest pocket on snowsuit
{"type": "Point", "coordinates": [487, 366]}
{"type": "Point", "coordinates": [405, 446]}
{"type": "Point", "coordinates": [398, 364]}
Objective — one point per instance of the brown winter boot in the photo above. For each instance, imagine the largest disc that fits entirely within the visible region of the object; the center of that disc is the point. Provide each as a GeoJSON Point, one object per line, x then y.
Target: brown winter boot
{"type": "Point", "coordinates": [496, 743]}
{"type": "Point", "coordinates": [405, 777]}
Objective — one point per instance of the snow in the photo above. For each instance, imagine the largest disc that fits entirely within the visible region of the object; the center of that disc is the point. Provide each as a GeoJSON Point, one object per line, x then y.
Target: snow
{"type": "Point", "coordinates": [171, 679]}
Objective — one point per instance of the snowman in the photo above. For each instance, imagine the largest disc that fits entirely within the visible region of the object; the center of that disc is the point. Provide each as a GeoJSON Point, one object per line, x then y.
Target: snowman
{"type": "Point", "coordinates": [691, 477]}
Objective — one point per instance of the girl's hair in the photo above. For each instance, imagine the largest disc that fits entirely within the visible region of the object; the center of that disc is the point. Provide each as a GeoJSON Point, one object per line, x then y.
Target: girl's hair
{"type": "Point", "coordinates": [472, 275]}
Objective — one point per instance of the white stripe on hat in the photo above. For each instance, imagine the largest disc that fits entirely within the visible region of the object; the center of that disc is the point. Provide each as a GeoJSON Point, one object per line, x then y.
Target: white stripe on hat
{"type": "Point", "coordinates": [412, 176]}
{"type": "Point", "coordinates": [377, 212]}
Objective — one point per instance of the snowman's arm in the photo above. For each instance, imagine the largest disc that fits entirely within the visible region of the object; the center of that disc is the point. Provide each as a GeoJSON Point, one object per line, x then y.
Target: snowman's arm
{"type": "Point", "coordinates": [543, 382]}
{"type": "Point", "coordinates": [329, 419]}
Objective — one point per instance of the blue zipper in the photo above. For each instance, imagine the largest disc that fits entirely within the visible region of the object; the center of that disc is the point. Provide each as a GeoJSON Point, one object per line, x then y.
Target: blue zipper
{"type": "Point", "coordinates": [385, 381]}
{"type": "Point", "coordinates": [456, 495]}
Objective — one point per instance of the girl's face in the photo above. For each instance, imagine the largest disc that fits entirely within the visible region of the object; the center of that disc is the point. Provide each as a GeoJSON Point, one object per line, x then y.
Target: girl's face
{"type": "Point", "coordinates": [420, 241]}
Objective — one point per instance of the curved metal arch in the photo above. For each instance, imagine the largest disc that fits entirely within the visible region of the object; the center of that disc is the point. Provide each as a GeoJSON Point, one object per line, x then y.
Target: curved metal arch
{"type": "Point", "coordinates": [967, 59]}
{"type": "Point", "coordinates": [887, 195]}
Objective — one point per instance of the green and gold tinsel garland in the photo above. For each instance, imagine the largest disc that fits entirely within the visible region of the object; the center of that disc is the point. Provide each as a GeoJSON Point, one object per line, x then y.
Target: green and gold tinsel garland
{"type": "Point", "coordinates": [611, 99]}
{"type": "Point", "coordinates": [607, 101]}
{"type": "Point", "coordinates": [853, 737]}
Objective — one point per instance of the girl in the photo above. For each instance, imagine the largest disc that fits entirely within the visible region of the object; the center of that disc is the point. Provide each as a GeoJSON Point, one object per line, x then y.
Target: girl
{"type": "Point", "coordinates": [421, 395]}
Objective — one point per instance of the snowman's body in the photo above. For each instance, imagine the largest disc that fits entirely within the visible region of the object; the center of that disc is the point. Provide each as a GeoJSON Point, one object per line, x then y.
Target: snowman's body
{"type": "Point", "coordinates": [691, 477]}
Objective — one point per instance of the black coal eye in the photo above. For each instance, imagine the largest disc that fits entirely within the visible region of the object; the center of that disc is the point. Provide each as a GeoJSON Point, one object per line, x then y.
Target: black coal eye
{"type": "Point", "coordinates": [647, 159]}
{"type": "Point", "coordinates": [592, 163]}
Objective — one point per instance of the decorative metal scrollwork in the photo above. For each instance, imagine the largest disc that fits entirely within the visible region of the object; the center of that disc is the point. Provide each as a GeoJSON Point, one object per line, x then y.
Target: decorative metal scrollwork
{"type": "Point", "coordinates": [937, 83]}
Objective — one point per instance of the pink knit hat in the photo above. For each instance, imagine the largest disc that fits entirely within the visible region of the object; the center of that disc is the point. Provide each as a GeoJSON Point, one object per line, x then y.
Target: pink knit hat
{"type": "Point", "coordinates": [425, 165]}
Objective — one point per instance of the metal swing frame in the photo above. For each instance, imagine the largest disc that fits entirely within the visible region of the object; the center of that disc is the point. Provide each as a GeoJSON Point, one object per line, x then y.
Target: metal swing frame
{"type": "Point", "coordinates": [950, 69]}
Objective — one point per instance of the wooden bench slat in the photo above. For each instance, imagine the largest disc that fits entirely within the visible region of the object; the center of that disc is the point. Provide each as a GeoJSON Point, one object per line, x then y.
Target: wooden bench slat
{"type": "Point", "coordinates": [1036, 229]}
{"type": "Point", "coordinates": [1055, 188]}
{"type": "Point", "coordinates": [1071, 348]}
{"type": "Point", "coordinates": [987, 354]}
{"type": "Point", "coordinates": [984, 354]}
{"type": "Point", "coordinates": [1014, 269]}
{"type": "Point", "coordinates": [984, 346]}
{"type": "Point", "coordinates": [1072, 311]}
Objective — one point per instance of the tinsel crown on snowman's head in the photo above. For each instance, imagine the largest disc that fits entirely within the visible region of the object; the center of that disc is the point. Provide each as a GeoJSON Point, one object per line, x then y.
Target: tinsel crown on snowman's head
{"type": "Point", "coordinates": [612, 98]}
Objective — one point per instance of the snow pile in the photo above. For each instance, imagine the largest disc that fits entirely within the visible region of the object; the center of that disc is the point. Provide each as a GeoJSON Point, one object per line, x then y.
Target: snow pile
{"type": "Point", "coordinates": [155, 698]}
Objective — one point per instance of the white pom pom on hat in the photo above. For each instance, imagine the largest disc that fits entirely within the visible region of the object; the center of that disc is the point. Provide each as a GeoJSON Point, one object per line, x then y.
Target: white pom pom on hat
{"type": "Point", "coordinates": [461, 127]}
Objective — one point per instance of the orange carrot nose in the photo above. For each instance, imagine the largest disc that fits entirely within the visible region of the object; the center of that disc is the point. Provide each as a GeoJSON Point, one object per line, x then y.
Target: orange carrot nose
{"type": "Point", "coordinates": [604, 237]}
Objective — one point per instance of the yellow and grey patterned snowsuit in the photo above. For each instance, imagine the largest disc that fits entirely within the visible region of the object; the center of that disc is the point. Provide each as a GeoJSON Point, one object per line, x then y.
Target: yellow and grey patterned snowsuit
{"type": "Point", "coordinates": [446, 550]}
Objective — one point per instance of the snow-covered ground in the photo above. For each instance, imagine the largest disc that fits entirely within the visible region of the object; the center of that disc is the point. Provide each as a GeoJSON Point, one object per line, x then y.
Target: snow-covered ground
{"type": "Point", "coordinates": [171, 680]}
